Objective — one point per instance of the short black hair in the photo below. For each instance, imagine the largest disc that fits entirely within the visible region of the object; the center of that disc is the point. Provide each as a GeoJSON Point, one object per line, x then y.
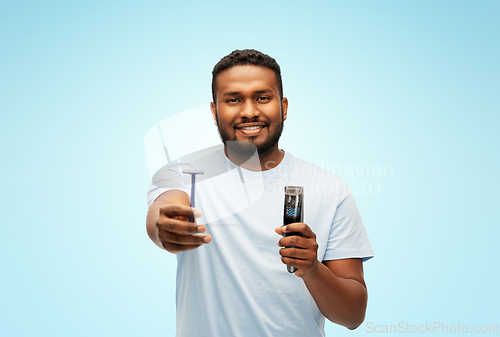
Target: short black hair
{"type": "Point", "coordinates": [247, 57]}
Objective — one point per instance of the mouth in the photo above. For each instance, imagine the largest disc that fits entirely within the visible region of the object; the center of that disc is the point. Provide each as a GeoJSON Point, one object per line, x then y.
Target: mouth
{"type": "Point", "coordinates": [250, 129]}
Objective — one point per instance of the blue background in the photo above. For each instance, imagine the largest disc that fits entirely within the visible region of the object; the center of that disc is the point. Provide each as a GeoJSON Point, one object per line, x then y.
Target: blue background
{"type": "Point", "coordinates": [409, 84]}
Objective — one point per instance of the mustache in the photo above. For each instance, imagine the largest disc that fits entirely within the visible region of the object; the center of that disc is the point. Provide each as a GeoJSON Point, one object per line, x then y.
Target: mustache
{"type": "Point", "coordinates": [251, 120]}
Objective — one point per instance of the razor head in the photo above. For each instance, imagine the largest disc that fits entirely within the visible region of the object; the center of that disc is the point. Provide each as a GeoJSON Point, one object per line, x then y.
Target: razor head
{"type": "Point", "coordinates": [294, 196]}
{"type": "Point", "coordinates": [192, 171]}
{"type": "Point", "coordinates": [294, 190]}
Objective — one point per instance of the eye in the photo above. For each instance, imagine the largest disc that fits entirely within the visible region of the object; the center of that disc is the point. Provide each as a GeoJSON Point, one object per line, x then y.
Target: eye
{"type": "Point", "coordinates": [232, 100]}
{"type": "Point", "coordinates": [263, 98]}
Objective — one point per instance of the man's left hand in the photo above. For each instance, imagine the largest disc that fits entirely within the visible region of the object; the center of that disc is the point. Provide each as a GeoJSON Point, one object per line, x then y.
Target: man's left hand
{"type": "Point", "coordinates": [304, 255]}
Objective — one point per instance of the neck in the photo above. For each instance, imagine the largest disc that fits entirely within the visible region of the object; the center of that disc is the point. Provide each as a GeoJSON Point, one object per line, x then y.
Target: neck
{"type": "Point", "coordinates": [263, 162]}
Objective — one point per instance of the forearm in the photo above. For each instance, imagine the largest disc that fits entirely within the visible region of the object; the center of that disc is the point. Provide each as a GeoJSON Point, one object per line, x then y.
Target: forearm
{"type": "Point", "coordinates": [341, 300]}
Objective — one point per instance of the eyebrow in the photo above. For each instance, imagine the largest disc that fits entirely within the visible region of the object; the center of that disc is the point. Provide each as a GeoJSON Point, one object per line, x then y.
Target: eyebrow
{"type": "Point", "coordinates": [233, 93]}
{"type": "Point", "coordinates": [263, 91]}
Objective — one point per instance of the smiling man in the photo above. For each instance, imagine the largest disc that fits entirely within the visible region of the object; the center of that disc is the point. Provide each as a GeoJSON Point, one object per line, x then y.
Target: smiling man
{"type": "Point", "coordinates": [231, 274]}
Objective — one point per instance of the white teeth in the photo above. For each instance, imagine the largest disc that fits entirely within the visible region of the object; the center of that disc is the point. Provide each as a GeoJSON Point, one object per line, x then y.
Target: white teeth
{"type": "Point", "coordinates": [251, 128]}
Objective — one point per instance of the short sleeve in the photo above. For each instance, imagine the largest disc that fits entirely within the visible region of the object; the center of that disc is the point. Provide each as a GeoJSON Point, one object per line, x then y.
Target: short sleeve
{"type": "Point", "coordinates": [166, 179]}
{"type": "Point", "coordinates": [348, 237]}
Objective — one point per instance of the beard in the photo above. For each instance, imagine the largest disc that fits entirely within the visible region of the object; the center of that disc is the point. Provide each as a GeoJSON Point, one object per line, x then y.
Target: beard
{"type": "Point", "coordinates": [248, 148]}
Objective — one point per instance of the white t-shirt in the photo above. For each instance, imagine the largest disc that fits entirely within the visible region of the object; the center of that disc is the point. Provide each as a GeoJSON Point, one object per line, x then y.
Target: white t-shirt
{"type": "Point", "coordinates": [237, 285]}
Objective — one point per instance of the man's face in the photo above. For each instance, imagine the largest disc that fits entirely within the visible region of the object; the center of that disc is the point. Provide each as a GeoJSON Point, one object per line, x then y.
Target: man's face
{"type": "Point", "coordinates": [248, 107]}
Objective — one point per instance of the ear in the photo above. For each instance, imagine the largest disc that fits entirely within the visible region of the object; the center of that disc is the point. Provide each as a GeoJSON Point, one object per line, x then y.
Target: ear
{"type": "Point", "coordinates": [213, 108]}
{"type": "Point", "coordinates": [284, 104]}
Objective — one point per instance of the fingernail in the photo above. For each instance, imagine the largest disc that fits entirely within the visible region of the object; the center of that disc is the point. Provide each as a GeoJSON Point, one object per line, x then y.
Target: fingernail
{"type": "Point", "coordinates": [283, 228]}
{"type": "Point", "coordinates": [197, 213]}
{"type": "Point", "coordinates": [200, 228]}
{"type": "Point", "coordinates": [206, 239]}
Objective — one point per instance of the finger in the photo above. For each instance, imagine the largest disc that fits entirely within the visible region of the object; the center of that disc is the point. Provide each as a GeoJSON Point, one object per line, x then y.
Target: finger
{"type": "Point", "coordinates": [179, 226]}
{"type": "Point", "coordinates": [299, 227]}
{"type": "Point", "coordinates": [183, 218]}
{"type": "Point", "coordinates": [172, 247]}
{"type": "Point", "coordinates": [184, 239]}
{"type": "Point", "coordinates": [297, 241]}
{"type": "Point", "coordinates": [297, 263]}
{"type": "Point", "coordinates": [302, 266]}
{"type": "Point", "coordinates": [172, 211]}
{"type": "Point", "coordinates": [294, 262]}
{"type": "Point", "coordinates": [297, 253]}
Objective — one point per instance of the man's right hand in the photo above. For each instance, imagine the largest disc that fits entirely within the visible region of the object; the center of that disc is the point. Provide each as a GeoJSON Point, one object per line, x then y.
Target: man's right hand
{"type": "Point", "coordinates": [175, 231]}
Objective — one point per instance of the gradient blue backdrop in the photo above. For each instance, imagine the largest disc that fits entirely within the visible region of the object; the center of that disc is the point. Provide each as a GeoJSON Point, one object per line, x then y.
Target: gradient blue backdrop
{"type": "Point", "coordinates": [409, 84]}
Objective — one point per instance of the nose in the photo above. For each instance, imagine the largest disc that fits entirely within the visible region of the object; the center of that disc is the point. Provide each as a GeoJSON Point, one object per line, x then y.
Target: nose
{"type": "Point", "coordinates": [249, 109]}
